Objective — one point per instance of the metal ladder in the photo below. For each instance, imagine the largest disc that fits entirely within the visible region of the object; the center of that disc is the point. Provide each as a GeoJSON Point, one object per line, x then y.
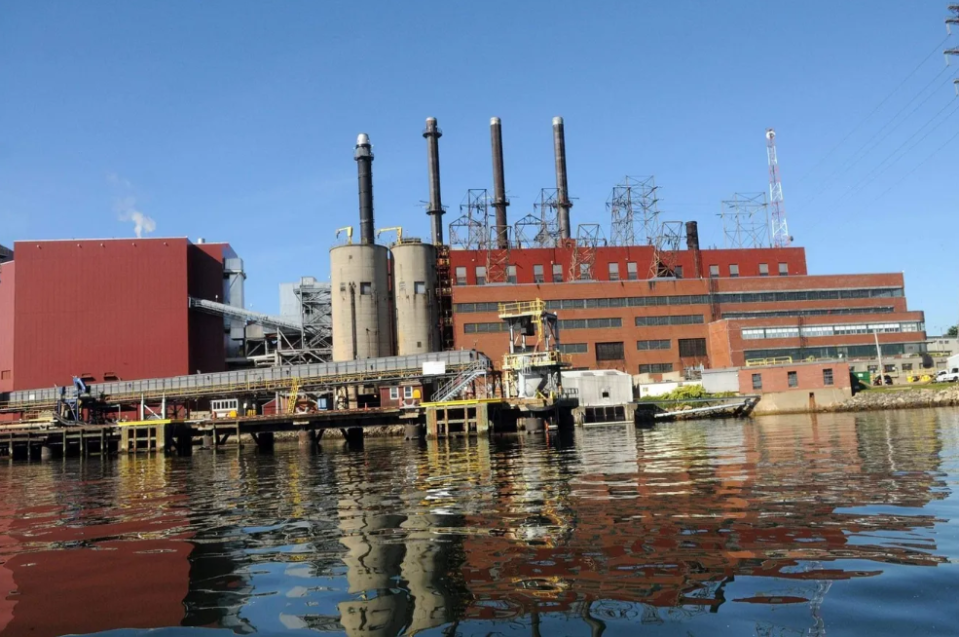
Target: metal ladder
{"type": "Point", "coordinates": [454, 386]}
{"type": "Point", "coordinates": [294, 394]}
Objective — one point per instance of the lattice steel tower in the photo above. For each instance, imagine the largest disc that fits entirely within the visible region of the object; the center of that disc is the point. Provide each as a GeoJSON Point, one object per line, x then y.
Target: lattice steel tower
{"type": "Point", "coordinates": [779, 230]}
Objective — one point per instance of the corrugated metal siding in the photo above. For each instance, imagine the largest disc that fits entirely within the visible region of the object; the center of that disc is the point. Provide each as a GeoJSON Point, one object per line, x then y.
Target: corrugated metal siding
{"type": "Point", "coordinates": [205, 281]}
{"type": "Point", "coordinates": [92, 307]}
{"type": "Point", "coordinates": [6, 326]}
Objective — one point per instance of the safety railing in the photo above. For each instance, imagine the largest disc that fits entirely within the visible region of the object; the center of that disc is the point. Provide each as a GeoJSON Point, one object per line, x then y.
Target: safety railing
{"type": "Point", "coordinates": [522, 308]}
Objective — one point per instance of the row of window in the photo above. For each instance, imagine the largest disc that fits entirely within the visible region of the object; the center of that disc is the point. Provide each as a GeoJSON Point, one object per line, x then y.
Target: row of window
{"type": "Point", "coordinates": [610, 351]}
{"type": "Point", "coordinates": [573, 348]}
{"type": "Point", "coordinates": [837, 351]}
{"type": "Point", "coordinates": [568, 324]}
{"type": "Point", "coordinates": [828, 330]}
{"type": "Point", "coordinates": [655, 344]}
{"type": "Point", "coordinates": [680, 319]}
{"type": "Point", "coordinates": [734, 270]}
{"type": "Point", "coordinates": [705, 299]}
{"type": "Point", "coordinates": [830, 311]}
{"type": "Point", "coordinates": [792, 378]}
{"type": "Point", "coordinates": [632, 272]}
{"type": "Point", "coordinates": [656, 368]}
{"type": "Point", "coordinates": [395, 393]}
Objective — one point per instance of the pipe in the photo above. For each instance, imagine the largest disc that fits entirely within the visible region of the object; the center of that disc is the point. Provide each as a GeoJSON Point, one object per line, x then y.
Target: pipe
{"type": "Point", "coordinates": [363, 154]}
{"type": "Point", "coordinates": [499, 183]}
{"type": "Point", "coordinates": [435, 211]}
{"type": "Point", "coordinates": [562, 188]}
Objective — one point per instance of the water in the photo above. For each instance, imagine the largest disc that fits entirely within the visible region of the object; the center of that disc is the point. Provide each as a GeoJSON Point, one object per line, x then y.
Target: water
{"type": "Point", "coordinates": [779, 526]}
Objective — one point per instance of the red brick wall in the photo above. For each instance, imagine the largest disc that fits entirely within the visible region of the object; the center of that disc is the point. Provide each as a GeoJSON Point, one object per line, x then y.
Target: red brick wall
{"type": "Point", "coordinates": [6, 326]}
{"type": "Point", "coordinates": [808, 376]}
{"type": "Point", "coordinates": [525, 259]}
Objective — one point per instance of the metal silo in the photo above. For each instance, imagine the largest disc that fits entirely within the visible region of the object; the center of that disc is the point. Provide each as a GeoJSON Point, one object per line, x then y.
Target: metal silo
{"type": "Point", "coordinates": [414, 291]}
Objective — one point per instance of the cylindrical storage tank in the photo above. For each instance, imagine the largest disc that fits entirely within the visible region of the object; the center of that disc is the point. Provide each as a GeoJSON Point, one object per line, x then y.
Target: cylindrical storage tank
{"type": "Point", "coordinates": [360, 296]}
{"type": "Point", "coordinates": [414, 289]}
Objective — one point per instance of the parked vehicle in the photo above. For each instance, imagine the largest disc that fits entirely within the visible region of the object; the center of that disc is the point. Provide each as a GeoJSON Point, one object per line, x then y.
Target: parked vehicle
{"type": "Point", "coordinates": [948, 375]}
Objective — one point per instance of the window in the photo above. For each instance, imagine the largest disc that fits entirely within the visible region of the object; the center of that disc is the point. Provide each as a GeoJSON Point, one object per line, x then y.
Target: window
{"type": "Point", "coordinates": [573, 348]}
{"type": "Point", "coordinates": [632, 272]}
{"type": "Point", "coordinates": [763, 269]}
{"type": "Point", "coordinates": [827, 377]}
{"type": "Point", "coordinates": [460, 276]}
{"type": "Point", "coordinates": [480, 275]}
{"type": "Point", "coordinates": [713, 271]}
{"type": "Point", "coordinates": [394, 393]}
{"type": "Point", "coordinates": [655, 344]}
{"type": "Point", "coordinates": [407, 392]}
{"type": "Point", "coordinates": [484, 328]}
{"type": "Point", "coordinates": [557, 273]}
{"type": "Point", "coordinates": [783, 269]}
{"type": "Point", "coordinates": [754, 333]}
{"type": "Point", "coordinates": [907, 367]}
{"type": "Point", "coordinates": [792, 379]}
{"type": "Point", "coordinates": [614, 272]}
{"type": "Point", "coordinates": [656, 368]}
{"type": "Point", "coordinates": [610, 352]}
{"type": "Point", "coordinates": [678, 271]}
{"type": "Point", "coordinates": [692, 347]}
{"type": "Point", "coordinates": [873, 369]}
{"type": "Point", "coordinates": [679, 319]}
{"type": "Point", "coordinates": [538, 276]}
{"type": "Point", "coordinates": [585, 272]}
{"type": "Point", "coordinates": [511, 274]}
{"type": "Point", "coordinates": [366, 287]}
{"type": "Point", "coordinates": [419, 287]}
{"type": "Point", "coordinates": [889, 369]}
{"type": "Point", "coordinates": [734, 270]}
{"type": "Point", "coordinates": [757, 381]}
{"type": "Point", "coordinates": [593, 323]}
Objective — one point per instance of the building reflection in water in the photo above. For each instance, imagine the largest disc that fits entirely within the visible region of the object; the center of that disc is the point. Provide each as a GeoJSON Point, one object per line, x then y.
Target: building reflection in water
{"type": "Point", "coordinates": [613, 524]}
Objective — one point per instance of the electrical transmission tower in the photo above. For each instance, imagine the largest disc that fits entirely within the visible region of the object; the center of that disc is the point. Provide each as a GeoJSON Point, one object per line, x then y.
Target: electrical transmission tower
{"type": "Point", "coordinates": [633, 203]}
{"type": "Point", "coordinates": [665, 249]}
{"type": "Point", "coordinates": [471, 230]}
{"type": "Point", "coordinates": [746, 221]}
{"type": "Point", "coordinates": [779, 230]}
{"type": "Point", "coordinates": [951, 20]}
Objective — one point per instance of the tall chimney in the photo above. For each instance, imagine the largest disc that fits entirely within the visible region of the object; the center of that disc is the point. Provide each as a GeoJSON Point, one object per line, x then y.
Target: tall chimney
{"type": "Point", "coordinates": [562, 189]}
{"type": "Point", "coordinates": [499, 184]}
{"type": "Point", "coordinates": [363, 155]}
{"type": "Point", "coordinates": [692, 244]}
{"type": "Point", "coordinates": [435, 211]}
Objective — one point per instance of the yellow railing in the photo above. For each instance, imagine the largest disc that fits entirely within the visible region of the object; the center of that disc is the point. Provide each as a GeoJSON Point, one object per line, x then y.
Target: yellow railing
{"type": "Point", "coordinates": [522, 308]}
{"type": "Point", "coordinates": [764, 362]}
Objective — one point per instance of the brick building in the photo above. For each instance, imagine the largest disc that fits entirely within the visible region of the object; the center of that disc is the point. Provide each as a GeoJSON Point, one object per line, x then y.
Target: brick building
{"type": "Point", "coordinates": [112, 309]}
{"type": "Point", "coordinates": [722, 308]}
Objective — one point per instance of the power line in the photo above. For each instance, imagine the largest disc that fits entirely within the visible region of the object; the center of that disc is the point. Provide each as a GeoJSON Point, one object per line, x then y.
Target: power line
{"type": "Point", "coordinates": [935, 50]}
{"type": "Point", "coordinates": [855, 158]}
{"type": "Point", "coordinates": [872, 175]}
{"type": "Point", "coordinates": [921, 164]}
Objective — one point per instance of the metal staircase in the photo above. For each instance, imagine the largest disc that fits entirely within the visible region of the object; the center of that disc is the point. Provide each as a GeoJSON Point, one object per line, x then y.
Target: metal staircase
{"type": "Point", "coordinates": [457, 384]}
{"type": "Point", "coordinates": [294, 395]}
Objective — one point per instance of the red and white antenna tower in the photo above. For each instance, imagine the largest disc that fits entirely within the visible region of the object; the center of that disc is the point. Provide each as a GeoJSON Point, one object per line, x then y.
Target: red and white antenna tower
{"type": "Point", "coordinates": [779, 234]}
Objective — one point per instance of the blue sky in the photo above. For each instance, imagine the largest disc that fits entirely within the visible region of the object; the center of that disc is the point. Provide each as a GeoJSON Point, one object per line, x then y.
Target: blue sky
{"type": "Point", "coordinates": [235, 120]}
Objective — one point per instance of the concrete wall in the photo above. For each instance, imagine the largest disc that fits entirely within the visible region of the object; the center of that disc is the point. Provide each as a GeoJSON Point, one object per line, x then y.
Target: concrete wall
{"type": "Point", "coordinates": [809, 376]}
{"type": "Point", "coordinates": [801, 400]}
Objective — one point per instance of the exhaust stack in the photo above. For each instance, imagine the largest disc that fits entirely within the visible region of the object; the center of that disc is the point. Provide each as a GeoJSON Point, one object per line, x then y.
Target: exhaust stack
{"type": "Point", "coordinates": [363, 154]}
{"type": "Point", "coordinates": [692, 244]}
{"type": "Point", "coordinates": [435, 211]}
{"type": "Point", "coordinates": [562, 189]}
{"type": "Point", "coordinates": [499, 184]}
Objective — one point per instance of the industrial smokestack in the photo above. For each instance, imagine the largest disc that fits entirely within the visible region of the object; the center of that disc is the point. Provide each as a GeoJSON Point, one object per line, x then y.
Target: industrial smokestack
{"type": "Point", "coordinates": [435, 211]}
{"type": "Point", "coordinates": [499, 183]}
{"type": "Point", "coordinates": [692, 244]}
{"type": "Point", "coordinates": [363, 155]}
{"type": "Point", "coordinates": [562, 189]}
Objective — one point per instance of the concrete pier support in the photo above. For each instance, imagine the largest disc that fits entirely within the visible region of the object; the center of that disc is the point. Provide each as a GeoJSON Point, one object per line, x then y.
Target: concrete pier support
{"type": "Point", "coordinates": [51, 452]}
{"type": "Point", "coordinates": [532, 425]}
{"type": "Point", "coordinates": [354, 437]}
{"type": "Point", "coordinates": [208, 441]}
{"type": "Point", "coordinates": [264, 441]}
{"type": "Point", "coordinates": [307, 438]}
{"type": "Point", "coordinates": [414, 432]}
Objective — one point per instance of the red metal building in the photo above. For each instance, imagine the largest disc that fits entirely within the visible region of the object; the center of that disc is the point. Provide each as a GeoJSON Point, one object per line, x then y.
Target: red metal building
{"type": "Point", "coordinates": [722, 309]}
{"type": "Point", "coordinates": [112, 309]}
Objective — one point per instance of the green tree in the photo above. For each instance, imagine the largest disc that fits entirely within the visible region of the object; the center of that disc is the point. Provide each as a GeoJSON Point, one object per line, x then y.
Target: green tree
{"type": "Point", "coordinates": [953, 331]}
